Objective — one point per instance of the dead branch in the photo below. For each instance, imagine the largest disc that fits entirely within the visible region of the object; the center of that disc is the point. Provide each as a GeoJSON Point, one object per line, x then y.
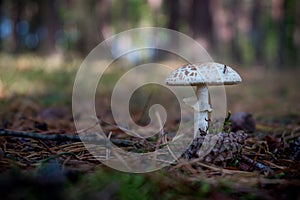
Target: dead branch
{"type": "Point", "coordinates": [63, 137]}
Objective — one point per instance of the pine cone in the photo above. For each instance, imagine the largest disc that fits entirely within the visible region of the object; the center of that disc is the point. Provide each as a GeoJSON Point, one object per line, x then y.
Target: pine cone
{"type": "Point", "coordinates": [218, 148]}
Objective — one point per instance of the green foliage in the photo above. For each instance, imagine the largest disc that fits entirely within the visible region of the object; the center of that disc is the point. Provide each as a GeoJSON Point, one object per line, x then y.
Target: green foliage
{"type": "Point", "coordinates": [204, 189]}
{"type": "Point", "coordinates": [234, 163]}
{"type": "Point", "coordinates": [115, 185]}
{"type": "Point", "coordinates": [135, 187]}
{"type": "Point", "coordinates": [249, 196]}
{"type": "Point", "coordinates": [227, 123]}
{"type": "Point", "coordinates": [128, 14]}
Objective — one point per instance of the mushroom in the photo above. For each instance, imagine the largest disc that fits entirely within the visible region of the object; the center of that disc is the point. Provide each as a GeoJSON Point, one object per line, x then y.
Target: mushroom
{"type": "Point", "coordinates": [202, 75]}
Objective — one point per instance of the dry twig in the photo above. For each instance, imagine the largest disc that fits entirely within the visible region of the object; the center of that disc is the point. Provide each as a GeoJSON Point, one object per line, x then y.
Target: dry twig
{"type": "Point", "coordinates": [61, 137]}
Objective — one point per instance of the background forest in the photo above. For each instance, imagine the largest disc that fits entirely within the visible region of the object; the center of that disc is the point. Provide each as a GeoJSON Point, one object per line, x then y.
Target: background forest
{"type": "Point", "coordinates": [264, 33]}
{"type": "Point", "coordinates": [42, 45]}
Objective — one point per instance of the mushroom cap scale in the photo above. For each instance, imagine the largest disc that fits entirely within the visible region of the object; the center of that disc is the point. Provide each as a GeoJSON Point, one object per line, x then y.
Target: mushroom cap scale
{"type": "Point", "coordinates": [205, 73]}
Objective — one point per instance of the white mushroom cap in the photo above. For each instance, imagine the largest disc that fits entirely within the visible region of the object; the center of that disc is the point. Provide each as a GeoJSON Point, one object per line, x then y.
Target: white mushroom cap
{"type": "Point", "coordinates": [206, 73]}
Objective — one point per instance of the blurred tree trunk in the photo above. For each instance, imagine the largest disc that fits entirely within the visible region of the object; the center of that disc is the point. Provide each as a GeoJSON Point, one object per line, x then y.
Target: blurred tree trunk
{"type": "Point", "coordinates": [257, 32]}
{"type": "Point", "coordinates": [1, 15]}
{"type": "Point", "coordinates": [171, 8]}
{"type": "Point", "coordinates": [102, 12]}
{"type": "Point", "coordinates": [16, 19]}
{"type": "Point", "coordinates": [200, 20]}
{"type": "Point", "coordinates": [120, 15]}
{"type": "Point", "coordinates": [235, 49]}
{"type": "Point", "coordinates": [51, 20]}
{"type": "Point", "coordinates": [286, 25]}
{"type": "Point", "coordinates": [281, 31]}
{"type": "Point", "coordinates": [297, 33]}
{"type": "Point", "coordinates": [173, 14]}
{"type": "Point", "coordinates": [89, 35]}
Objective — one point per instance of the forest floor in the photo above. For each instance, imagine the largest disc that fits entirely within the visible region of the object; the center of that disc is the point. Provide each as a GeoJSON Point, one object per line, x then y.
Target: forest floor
{"type": "Point", "coordinates": [35, 102]}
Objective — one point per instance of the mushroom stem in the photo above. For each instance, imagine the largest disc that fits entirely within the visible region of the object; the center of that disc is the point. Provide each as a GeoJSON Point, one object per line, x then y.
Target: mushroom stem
{"type": "Point", "coordinates": [201, 110]}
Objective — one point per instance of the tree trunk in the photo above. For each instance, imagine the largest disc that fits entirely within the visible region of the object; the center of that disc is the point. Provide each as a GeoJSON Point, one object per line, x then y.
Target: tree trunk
{"type": "Point", "coordinates": [200, 20]}
{"type": "Point", "coordinates": [51, 21]}
{"type": "Point", "coordinates": [18, 14]}
{"type": "Point", "coordinates": [235, 49]}
{"type": "Point", "coordinates": [257, 32]}
{"type": "Point", "coordinates": [287, 28]}
{"type": "Point", "coordinates": [103, 16]}
{"type": "Point", "coordinates": [174, 15]}
{"type": "Point", "coordinates": [1, 15]}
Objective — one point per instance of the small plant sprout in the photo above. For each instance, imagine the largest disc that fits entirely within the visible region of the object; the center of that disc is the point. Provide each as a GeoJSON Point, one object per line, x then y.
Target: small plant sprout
{"type": "Point", "coordinates": [202, 75]}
